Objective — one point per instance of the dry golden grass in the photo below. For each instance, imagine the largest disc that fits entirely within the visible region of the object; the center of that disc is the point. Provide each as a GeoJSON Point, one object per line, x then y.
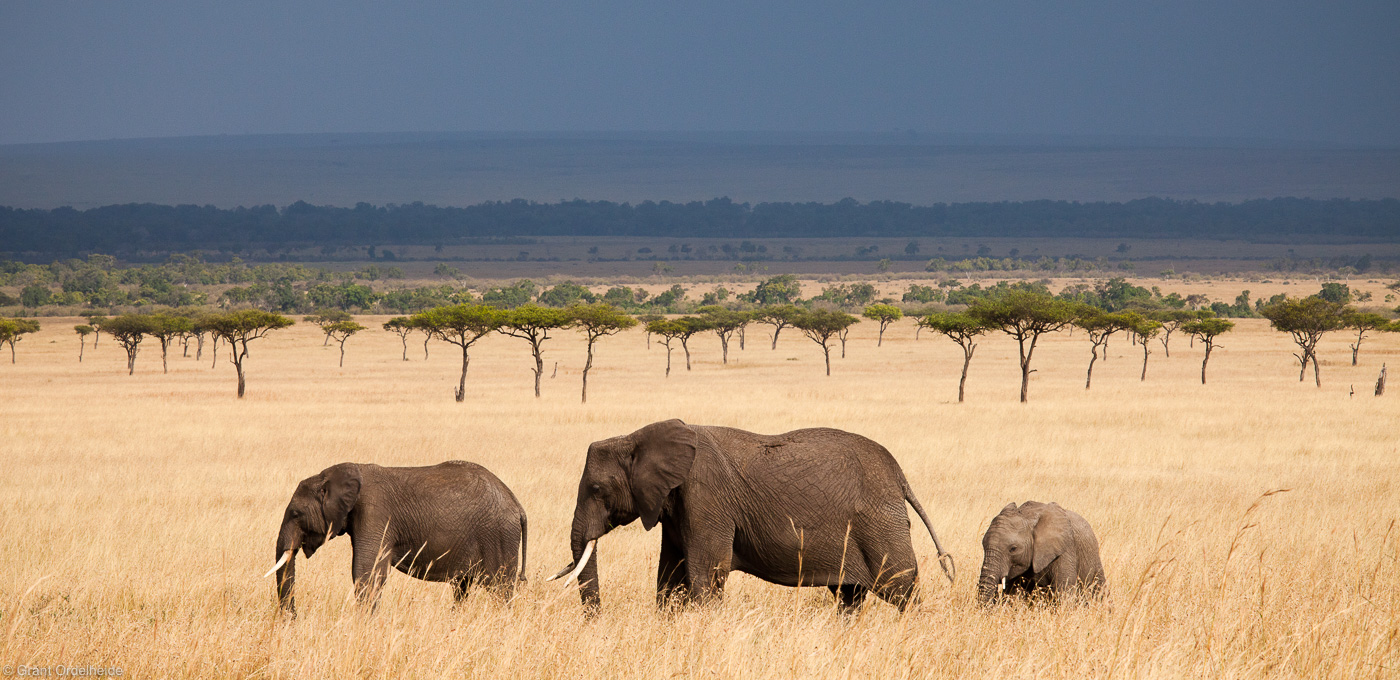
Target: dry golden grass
{"type": "Point", "coordinates": [138, 513]}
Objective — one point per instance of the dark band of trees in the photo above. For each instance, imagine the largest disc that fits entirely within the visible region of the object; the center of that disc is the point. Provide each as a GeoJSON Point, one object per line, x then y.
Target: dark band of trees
{"type": "Point", "coordinates": [131, 227]}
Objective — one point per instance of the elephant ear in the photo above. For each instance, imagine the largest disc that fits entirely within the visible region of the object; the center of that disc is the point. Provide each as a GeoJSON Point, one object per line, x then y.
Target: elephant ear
{"type": "Point", "coordinates": [661, 461]}
{"type": "Point", "coordinates": [1053, 537]}
{"type": "Point", "coordinates": [339, 493]}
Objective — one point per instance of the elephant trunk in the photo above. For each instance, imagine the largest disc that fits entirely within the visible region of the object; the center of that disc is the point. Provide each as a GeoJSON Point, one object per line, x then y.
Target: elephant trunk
{"type": "Point", "coordinates": [287, 543]}
{"type": "Point", "coordinates": [994, 572]}
{"type": "Point", "coordinates": [589, 525]}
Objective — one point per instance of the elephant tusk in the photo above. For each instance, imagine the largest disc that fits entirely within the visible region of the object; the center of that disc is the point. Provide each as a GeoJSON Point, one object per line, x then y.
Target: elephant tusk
{"type": "Point", "coordinates": [567, 568]}
{"type": "Point", "coordinates": [582, 562]}
{"type": "Point", "coordinates": [286, 555]}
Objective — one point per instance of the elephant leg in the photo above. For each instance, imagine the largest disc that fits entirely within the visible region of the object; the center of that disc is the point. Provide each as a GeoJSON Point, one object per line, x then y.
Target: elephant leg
{"type": "Point", "coordinates": [672, 581]}
{"type": "Point", "coordinates": [892, 565]}
{"type": "Point", "coordinates": [370, 568]}
{"type": "Point", "coordinates": [708, 559]}
{"type": "Point", "coordinates": [459, 589]}
{"type": "Point", "coordinates": [850, 595]}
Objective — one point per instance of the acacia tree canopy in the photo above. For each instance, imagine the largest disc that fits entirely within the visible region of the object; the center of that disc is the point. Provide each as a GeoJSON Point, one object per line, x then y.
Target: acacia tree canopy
{"type": "Point", "coordinates": [1306, 320]}
{"type": "Point", "coordinates": [238, 328]}
{"type": "Point", "coordinates": [1024, 315]}
{"type": "Point", "coordinates": [886, 315]}
{"type": "Point", "coordinates": [821, 325]}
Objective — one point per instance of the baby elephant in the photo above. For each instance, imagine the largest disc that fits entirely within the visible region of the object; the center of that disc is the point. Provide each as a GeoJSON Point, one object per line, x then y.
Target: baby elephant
{"type": "Point", "coordinates": [453, 522]}
{"type": "Point", "coordinates": [1039, 547]}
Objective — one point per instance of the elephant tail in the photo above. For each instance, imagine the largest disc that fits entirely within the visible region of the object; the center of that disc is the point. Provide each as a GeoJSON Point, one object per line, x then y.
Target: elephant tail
{"type": "Point", "coordinates": [524, 543]}
{"type": "Point", "coordinates": [949, 568]}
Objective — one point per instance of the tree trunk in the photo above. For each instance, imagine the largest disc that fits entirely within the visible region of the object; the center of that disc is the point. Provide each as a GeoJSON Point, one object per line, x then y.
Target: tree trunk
{"type": "Point", "coordinates": [685, 346]}
{"type": "Point", "coordinates": [880, 342]}
{"type": "Point", "coordinates": [1302, 362]}
{"type": "Point", "coordinates": [827, 352]}
{"type": "Point", "coordinates": [1145, 352]}
{"type": "Point", "coordinates": [425, 347]}
{"type": "Point", "coordinates": [461, 393]}
{"type": "Point", "coordinates": [967, 359]}
{"type": "Point", "coordinates": [724, 348]}
{"type": "Point", "coordinates": [587, 365]}
{"type": "Point", "coordinates": [776, 331]}
{"type": "Point", "coordinates": [1317, 372]}
{"type": "Point", "coordinates": [668, 360]}
{"type": "Point", "coordinates": [81, 346]}
{"type": "Point", "coordinates": [1026, 366]}
{"type": "Point", "coordinates": [842, 337]}
{"type": "Point", "coordinates": [130, 359]}
{"type": "Point", "coordinates": [164, 368]}
{"type": "Point", "coordinates": [1093, 356]}
{"type": "Point", "coordinates": [215, 353]}
{"type": "Point", "coordinates": [1380, 382]}
{"type": "Point", "coordinates": [238, 365]}
{"type": "Point", "coordinates": [342, 353]}
{"type": "Point", "coordinates": [741, 338]}
{"type": "Point", "coordinates": [198, 348]}
{"type": "Point", "coordinates": [1204, 362]}
{"type": "Point", "coordinates": [539, 367]}
{"type": "Point", "coordinates": [1166, 338]}
{"type": "Point", "coordinates": [1357, 347]}
{"type": "Point", "coordinates": [328, 340]}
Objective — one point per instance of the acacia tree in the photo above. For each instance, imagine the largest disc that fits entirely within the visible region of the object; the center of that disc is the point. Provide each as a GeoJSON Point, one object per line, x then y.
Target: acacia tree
{"type": "Point", "coordinates": [326, 318]}
{"type": "Point", "coordinates": [688, 326]}
{"type": "Point", "coordinates": [1306, 320]}
{"type": "Point", "coordinates": [886, 315]}
{"type": "Point", "coordinates": [724, 322]}
{"type": "Point", "coordinates": [646, 320]}
{"type": "Point", "coordinates": [1143, 330]}
{"type": "Point", "coordinates": [669, 331]}
{"type": "Point", "coordinates": [461, 325]}
{"type": "Point", "coordinates": [341, 332]}
{"type": "Point", "coordinates": [13, 330]}
{"type": "Point", "coordinates": [1025, 316]}
{"type": "Point", "coordinates": [532, 323]}
{"type": "Point", "coordinates": [95, 320]}
{"type": "Point", "coordinates": [129, 330]}
{"type": "Point", "coordinates": [779, 317]}
{"type": "Point", "coordinates": [427, 332]}
{"type": "Point", "coordinates": [960, 328]}
{"type": "Point", "coordinates": [83, 330]}
{"type": "Point", "coordinates": [1362, 323]}
{"type": "Point", "coordinates": [401, 326]}
{"type": "Point", "coordinates": [167, 327]}
{"type": "Point", "coordinates": [598, 320]}
{"type": "Point", "coordinates": [1171, 320]}
{"type": "Point", "coordinates": [821, 325]}
{"type": "Point", "coordinates": [1206, 330]}
{"type": "Point", "coordinates": [239, 328]}
{"type": "Point", "coordinates": [1099, 325]}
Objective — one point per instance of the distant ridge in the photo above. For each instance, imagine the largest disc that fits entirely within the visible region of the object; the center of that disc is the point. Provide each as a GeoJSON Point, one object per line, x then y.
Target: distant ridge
{"type": "Point", "coordinates": [151, 227]}
{"type": "Point", "coordinates": [463, 169]}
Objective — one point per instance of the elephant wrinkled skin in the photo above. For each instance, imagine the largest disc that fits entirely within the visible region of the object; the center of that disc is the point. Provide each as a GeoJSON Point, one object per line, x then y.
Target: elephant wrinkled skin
{"type": "Point", "coordinates": [815, 507]}
{"type": "Point", "coordinates": [454, 522]}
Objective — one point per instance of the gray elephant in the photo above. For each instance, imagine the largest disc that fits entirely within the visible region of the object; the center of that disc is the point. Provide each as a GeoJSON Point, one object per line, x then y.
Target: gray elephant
{"type": "Point", "coordinates": [453, 522]}
{"type": "Point", "coordinates": [1039, 548]}
{"type": "Point", "coordinates": [817, 507]}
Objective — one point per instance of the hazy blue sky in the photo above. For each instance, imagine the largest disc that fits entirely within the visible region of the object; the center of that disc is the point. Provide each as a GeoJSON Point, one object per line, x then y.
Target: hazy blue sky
{"type": "Point", "coordinates": [1325, 71]}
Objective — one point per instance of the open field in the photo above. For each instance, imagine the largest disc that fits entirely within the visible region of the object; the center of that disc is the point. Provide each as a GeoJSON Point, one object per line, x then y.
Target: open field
{"type": "Point", "coordinates": [140, 511]}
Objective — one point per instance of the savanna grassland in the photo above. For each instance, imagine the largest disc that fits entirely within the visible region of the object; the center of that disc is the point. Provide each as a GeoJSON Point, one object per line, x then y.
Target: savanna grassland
{"type": "Point", "coordinates": [139, 512]}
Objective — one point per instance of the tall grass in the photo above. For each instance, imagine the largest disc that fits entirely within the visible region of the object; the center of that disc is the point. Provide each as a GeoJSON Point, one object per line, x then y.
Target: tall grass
{"type": "Point", "coordinates": [139, 513]}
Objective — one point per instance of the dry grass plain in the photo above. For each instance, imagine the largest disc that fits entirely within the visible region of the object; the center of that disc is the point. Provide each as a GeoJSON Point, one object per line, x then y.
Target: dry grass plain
{"type": "Point", "coordinates": [139, 512]}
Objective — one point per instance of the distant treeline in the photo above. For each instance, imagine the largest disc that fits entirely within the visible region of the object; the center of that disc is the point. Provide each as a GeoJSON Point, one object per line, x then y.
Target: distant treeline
{"type": "Point", "coordinates": [147, 227]}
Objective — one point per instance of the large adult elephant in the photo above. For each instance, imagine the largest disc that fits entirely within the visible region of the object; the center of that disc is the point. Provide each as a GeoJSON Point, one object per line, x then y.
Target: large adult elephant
{"type": "Point", "coordinates": [453, 522]}
{"type": "Point", "coordinates": [816, 507]}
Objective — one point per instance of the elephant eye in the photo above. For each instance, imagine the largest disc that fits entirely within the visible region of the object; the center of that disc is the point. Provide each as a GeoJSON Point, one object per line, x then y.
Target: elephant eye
{"type": "Point", "coordinates": [595, 488]}
{"type": "Point", "coordinates": [1015, 548]}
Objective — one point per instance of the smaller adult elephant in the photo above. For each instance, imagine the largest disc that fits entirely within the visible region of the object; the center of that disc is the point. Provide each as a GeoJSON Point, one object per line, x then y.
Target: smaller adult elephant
{"type": "Point", "coordinates": [1039, 548]}
{"type": "Point", "coordinates": [453, 522]}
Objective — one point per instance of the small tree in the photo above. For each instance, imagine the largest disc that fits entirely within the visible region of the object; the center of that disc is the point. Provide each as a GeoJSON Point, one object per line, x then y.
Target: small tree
{"type": "Point", "coordinates": [239, 328]}
{"type": "Point", "coordinates": [1206, 330]}
{"type": "Point", "coordinates": [532, 323]}
{"type": "Point", "coordinates": [83, 330]}
{"type": "Point", "coordinates": [1362, 323]}
{"type": "Point", "coordinates": [688, 326]}
{"type": "Point", "coordinates": [821, 325]}
{"type": "Point", "coordinates": [724, 322]}
{"type": "Point", "coordinates": [886, 315]}
{"type": "Point", "coordinates": [779, 317]}
{"type": "Point", "coordinates": [14, 330]}
{"type": "Point", "coordinates": [597, 320]}
{"type": "Point", "coordinates": [95, 320]}
{"type": "Point", "coordinates": [669, 332]}
{"type": "Point", "coordinates": [1025, 316]}
{"type": "Point", "coordinates": [461, 325]}
{"type": "Point", "coordinates": [1099, 325]}
{"type": "Point", "coordinates": [326, 318]}
{"type": "Point", "coordinates": [341, 332]}
{"type": "Point", "coordinates": [646, 320]}
{"type": "Point", "coordinates": [1306, 320]}
{"type": "Point", "coordinates": [428, 334]}
{"type": "Point", "coordinates": [129, 330]}
{"type": "Point", "coordinates": [167, 327]}
{"type": "Point", "coordinates": [401, 326]}
{"type": "Point", "coordinates": [1171, 320]}
{"type": "Point", "coordinates": [960, 328]}
{"type": "Point", "coordinates": [1143, 330]}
